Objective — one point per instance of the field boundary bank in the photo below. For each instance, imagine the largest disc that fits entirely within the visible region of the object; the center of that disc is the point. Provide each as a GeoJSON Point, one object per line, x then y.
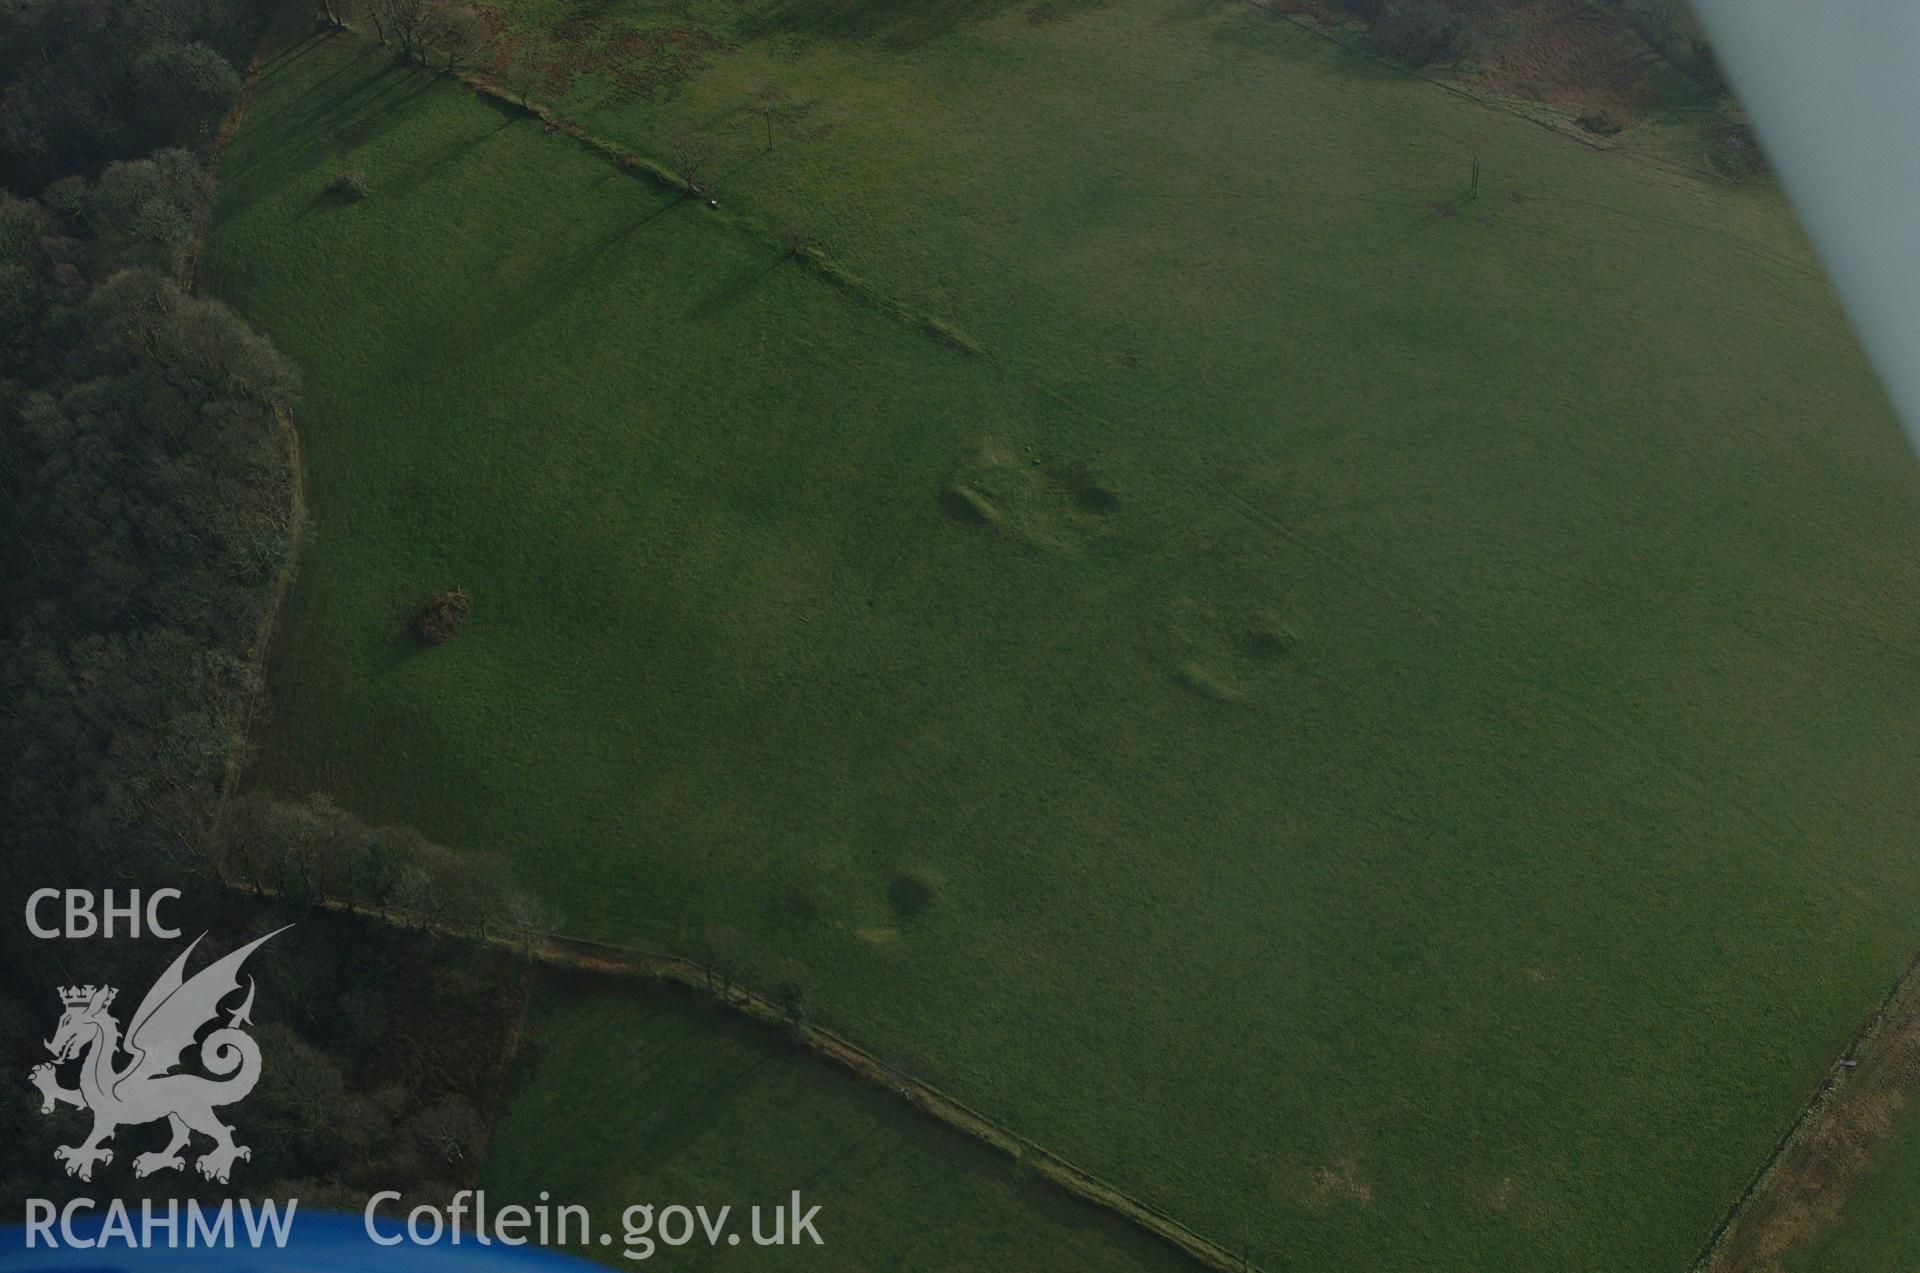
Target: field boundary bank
{"type": "Point", "coordinates": [587, 955]}
{"type": "Point", "coordinates": [256, 667]}
{"type": "Point", "coordinates": [643, 167]}
{"type": "Point", "coordinates": [640, 165]}
{"type": "Point", "coordinates": [1790, 1189]}
{"type": "Point", "coordinates": [639, 966]}
{"type": "Point", "coordinates": [298, 518]}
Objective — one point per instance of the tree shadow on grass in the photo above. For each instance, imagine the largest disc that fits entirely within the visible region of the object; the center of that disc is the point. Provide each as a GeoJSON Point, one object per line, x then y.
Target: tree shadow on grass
{"type": "Point", "coordinates": [298, 131]}
{"type": "Point", "coordinates": [314, 36]}
{"type": "Point", "coordinates": [665, 1050]}
{"type": "Point", "coordinates": [327, 197]}
{"type": "Point", "coordinates": [320, 102]}
{"type": "Point", "coordinates": [403, 639]}
{"type": "Point", "coordinates": [521, 304]}
{"type": "Point", "coordinates": [727, 170]}
{"type": "Point", "coordinates": [402, 648]}
{"type": "Point", "coordinates": [898, 24]}
{"type": "Point", "coordinates": [1347, 55]}
{"type": "Point", "coordinates": [1433, 213]}
{"type": "Point", "coordinates": [734, 290]}
{"type": "Point", "coordinates": [852, 1156]}
{"type": "Point", "coordinates": [283, 62]}
{"type": "Point", "coordinates": [449, 154]}
{"type": "Point", "coordinates": [377, 114]}
{"type": "Point", "coordinates": [399, 82]}
{"type": "Point", "coordinates": [689, 1120]}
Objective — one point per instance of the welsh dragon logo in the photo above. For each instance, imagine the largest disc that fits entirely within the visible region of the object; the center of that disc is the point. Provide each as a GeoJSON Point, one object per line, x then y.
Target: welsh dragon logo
{"type": "Point", "coordinates": [145, 1088]}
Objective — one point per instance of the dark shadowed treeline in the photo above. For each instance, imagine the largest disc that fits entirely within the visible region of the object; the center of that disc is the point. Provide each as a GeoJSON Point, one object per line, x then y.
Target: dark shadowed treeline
{"type": "Point", "coordinates": [144, 486]}
{"type": "Point", "coordinates": [146, 515]}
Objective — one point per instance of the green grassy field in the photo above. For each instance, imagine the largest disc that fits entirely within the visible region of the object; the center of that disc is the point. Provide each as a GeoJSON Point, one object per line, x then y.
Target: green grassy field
{"type": "Point", "coordinates": [631, 1101]}
{"type": "Point", "coordinates": [1410, 724]}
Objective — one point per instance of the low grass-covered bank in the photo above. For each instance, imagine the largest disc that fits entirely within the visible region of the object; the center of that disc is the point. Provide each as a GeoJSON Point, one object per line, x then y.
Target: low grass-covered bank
{"type": "Point", "coordinates": [1879, 1227]}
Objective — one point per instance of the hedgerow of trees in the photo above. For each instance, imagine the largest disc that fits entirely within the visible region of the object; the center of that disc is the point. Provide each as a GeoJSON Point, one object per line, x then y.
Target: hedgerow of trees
{"type": "Point", "coordinates": [1423, 31]}
{"type": "Point", "coordinates": [1669, 28]}
{"type": "Point", "coordinates": [145, 517]}
{"type": "Point", "coordinates": [424, 30]}
{"type": "Point", "coordinates": [1420, 32]}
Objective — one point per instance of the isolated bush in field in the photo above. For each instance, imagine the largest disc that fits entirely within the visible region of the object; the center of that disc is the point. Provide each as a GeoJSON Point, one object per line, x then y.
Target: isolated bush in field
{"type": "Point", "coordinates": [351, 185]}
{"type": "Point", "coordinates": [1598, 122]}
{"type": "Point", "coordinates": [442, 616]}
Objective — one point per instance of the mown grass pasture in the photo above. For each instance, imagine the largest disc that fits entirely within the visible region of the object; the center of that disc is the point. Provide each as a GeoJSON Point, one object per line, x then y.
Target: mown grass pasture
{"type": "Point", "coordinates": [630, 1101]}
{"type": "Point", "coordinates": [1384, 725]}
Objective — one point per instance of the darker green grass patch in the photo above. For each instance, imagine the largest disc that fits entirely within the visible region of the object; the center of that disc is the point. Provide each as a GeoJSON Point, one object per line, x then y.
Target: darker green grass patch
{"type": "Point", "coordinates": [911, 894]}
{"type": "Point", "coordinates": [1204, 682]}
{"type": "Point", "coordinates": [964, 504]}
{"type": "Point", "coordinates": [1267, 638]}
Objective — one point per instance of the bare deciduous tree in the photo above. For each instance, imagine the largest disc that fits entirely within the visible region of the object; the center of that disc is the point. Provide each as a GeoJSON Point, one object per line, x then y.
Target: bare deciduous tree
{"type": "Point", "coordinates": [528, 920]}
{"type": "Point", "coordinates": [790, 990]}
{"type": "Point", "coordinates": [689, 153]}
{"type": "Point", "coordinates": [459, 32]}
{"type": "Point", "coordinates": [408, 23]}
{"type": "Point", "coordinates": [523, 72]}
{"type": "Point", "coordinates": [450, 1130]}
{"type": "Point", "coordinates": [723, 956]}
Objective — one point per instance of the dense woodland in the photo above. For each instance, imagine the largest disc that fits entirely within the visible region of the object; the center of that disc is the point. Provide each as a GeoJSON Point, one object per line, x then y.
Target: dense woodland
{"type": "Point", "coordinates": [145, 517]}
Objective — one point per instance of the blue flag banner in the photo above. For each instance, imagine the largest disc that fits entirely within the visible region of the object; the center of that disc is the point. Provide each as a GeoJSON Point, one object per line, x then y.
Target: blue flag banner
{"type": "Point", "coordinates": [310, 1242]}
